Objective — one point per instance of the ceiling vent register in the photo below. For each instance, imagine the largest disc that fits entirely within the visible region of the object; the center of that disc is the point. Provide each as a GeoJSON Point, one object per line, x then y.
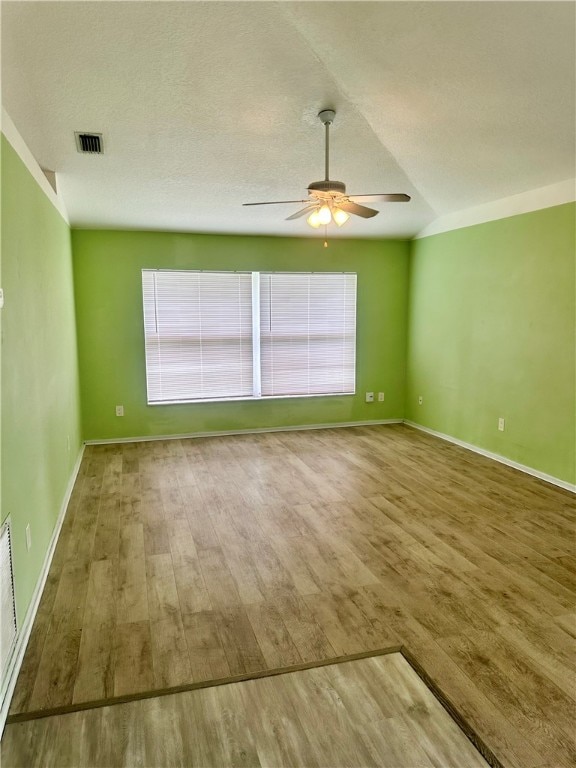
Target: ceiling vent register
{"type": "Point", "coordinates": [89, 143]}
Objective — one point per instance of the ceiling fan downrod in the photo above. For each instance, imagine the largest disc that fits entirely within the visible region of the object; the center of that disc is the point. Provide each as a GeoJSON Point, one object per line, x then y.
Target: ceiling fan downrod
{"type": "Point", "coordinates": [326, 185]}
{"type": "Point", "coordinates": [327, 117]}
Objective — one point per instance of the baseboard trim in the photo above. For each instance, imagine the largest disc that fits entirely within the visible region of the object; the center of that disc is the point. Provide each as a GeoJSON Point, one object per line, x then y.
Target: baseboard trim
{"type": "Point", "coordinates": [495, 456]}
{"type": "Point", "coordinates": [24, 631]}
{"type": "Point", "coordinates": [258, 430]}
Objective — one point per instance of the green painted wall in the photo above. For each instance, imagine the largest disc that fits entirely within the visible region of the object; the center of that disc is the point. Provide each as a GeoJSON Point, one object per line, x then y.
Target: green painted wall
{"type": "Point", "coordinates": [492, 334]}
{"type": "Point", "coordinates": [40, 391]}
{"type": "Point", "coordinates": [107, 267]}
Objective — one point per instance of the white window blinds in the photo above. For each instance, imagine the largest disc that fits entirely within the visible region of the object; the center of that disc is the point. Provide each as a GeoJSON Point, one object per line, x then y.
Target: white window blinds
{"type": "Point", "coordinates": [307, 333]}
{"type": "Point", "coordinates": [198, 335]}
{"type": "Point", "coordinates": [226, 335]}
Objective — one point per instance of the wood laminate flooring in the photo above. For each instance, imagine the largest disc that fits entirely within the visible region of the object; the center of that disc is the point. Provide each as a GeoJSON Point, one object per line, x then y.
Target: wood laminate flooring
{"type": "Point", "coordinates": [182, 561]}
{"type": "Point", "coordinates": [376, 712]}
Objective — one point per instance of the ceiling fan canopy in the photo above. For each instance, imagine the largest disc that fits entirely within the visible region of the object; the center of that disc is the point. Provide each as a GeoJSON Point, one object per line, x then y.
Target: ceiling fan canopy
{"type": "Point", "coordinates": [327, 199]}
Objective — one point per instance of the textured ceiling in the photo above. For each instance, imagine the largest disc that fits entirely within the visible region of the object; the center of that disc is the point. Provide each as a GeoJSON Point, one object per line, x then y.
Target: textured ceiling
{"type": "Point", "coordinates": [206, 105]}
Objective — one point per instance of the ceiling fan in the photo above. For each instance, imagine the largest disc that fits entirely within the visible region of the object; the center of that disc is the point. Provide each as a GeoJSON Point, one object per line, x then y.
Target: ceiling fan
{"type": "Point", "coordinates": [327, 200]}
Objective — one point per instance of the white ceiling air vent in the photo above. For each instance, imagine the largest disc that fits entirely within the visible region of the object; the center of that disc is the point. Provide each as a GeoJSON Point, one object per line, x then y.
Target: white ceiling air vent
{"type": "Point", "coordinates": [89, 143]}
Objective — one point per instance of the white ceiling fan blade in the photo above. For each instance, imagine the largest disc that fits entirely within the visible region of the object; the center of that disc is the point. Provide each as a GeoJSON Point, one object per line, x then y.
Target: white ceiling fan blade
{"type": "Point", "coordinates": [277, 202]}
{"type": "Point", "coordinates": [381, 198]}
{"type": "Point", "coordinates": [302, 212]}
{"type": "Point", "coordinates": [357, 210]}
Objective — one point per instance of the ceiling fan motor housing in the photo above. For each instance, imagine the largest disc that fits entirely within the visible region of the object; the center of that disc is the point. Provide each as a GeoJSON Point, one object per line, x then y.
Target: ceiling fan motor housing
{"type": "Point", "coordinates": [337, 187]}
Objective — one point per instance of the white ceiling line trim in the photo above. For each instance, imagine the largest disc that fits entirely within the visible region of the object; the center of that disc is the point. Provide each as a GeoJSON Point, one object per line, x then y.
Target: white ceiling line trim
{"type": "Point", "coordinates": [21, 148]}
{"type": "Point", "coordinates": [526, 202]}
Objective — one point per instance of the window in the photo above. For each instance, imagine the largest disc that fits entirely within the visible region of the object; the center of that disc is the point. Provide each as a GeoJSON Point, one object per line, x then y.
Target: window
{"type": "Point", "coordinates": [248, 335]}
{"type": "Point", "coordinates": [198, 331]}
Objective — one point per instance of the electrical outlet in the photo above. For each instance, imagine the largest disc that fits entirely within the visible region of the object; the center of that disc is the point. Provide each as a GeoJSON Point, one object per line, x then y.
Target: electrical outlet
{"type": "Point", "coordinates": [119, 410]}
{"type": "Point", "coordinates": [420, 399]}
{"type": "Point", "coordinates": [369, 397]}
{"type": "Point", "coordinates": [501, 424]}
{"type": "Point", "coordinates": [28, 537]}
{"type": "Point", "coordinates": [380, 397]}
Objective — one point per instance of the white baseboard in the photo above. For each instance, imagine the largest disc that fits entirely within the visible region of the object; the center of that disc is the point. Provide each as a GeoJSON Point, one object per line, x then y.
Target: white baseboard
{"type": "Point", "coordinates": [9, 682]}
{"type": "Point", "coordinates": [496, 457]}
{"type": "Point", "coordinates": [221, 433]}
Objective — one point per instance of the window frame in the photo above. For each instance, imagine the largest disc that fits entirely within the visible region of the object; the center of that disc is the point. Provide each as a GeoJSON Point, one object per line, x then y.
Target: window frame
{"type": "Point", "coordinates": [256, 341]}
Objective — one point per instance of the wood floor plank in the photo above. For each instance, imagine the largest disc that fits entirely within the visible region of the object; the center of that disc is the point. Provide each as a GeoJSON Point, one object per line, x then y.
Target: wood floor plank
{"type": "Point", "coordinates": [543, 656]}
{"type": "Point", "coordinates": [416, 703]}
{"type": "Point", "coordinates": [230, 734]}
{"type": "Point", "coordinates": [198, 519]}
{"type": "Point", "coordinates": [217, 577]}
{"type": "Point", "coordinates": [309, 639]}
{"type": "Point", "coordinates": [100, 609]}
{"type": "Point", "coordinates": [273, 638]}
{"type": "Point", "coordinates": [106, 537]}
{"type": "Point", "coordinates": [192, 593]}
{"type": "Point", "coordinates": [68, 609]}
{"type": "Point", "coordinates": [482, 713]}
{"type": "Point", "coordinates": [315, 698]}
{"type": "Point", "coordinates": [182, 545]}
{"type": "Point", "coordinates": [205, 650]}
{"type": "Point", "coordinates": [132, 592]}
{"type": "Point", "coordinates": [169, 652]}
{"type": "Point", "coordinates": [173, 503]}
{"type": "Point", "coordinates": [28, 671]}
{"type": "Point", "coordinates": [567, 623]}
{"type": "Point", "coordinates": [133, 647]}
{"type": "Point", "coordinates": [80, 543]}
{"type": "Point", "coordinates": [288, 551]}
{"type": "Point", "coordinates": [240, 645]}
{"type": "Point", "coordinates": [274, 720]}
{"type": "Point", "coordinates": [527, 714]}
{"type": "Point", "coordinates": [163, 602]}
{"type": "Point", "coordinates": [95, 673]}
{"type": "Point", "coordinates": [244, 572]}
{"type": "Point", "coordinates": [252, 551]}
{"type": "Point", "coordinates": [56, 674]}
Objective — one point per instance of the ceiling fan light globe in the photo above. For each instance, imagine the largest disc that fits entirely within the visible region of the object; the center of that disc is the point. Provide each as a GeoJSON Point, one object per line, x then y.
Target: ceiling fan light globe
{"type": "Point", "coordinates": [340, 217]}
{"type": "Point", "coordinates": [314, 219]}
{"type": "Point", "coordinates": [324, 215]}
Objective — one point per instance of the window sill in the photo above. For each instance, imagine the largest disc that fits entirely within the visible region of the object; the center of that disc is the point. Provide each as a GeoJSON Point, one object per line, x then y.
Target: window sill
{"type": "Point", "coordinates": [249, 399]}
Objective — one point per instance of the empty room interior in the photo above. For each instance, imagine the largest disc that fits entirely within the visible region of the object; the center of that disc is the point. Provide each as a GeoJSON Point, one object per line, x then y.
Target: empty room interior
{"type": "Point", "coordinates": [288, 400]}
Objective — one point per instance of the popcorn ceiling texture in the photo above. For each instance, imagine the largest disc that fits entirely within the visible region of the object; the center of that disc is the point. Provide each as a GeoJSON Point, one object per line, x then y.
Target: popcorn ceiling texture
{"type": "Point", "coordinates": [204, 106]}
